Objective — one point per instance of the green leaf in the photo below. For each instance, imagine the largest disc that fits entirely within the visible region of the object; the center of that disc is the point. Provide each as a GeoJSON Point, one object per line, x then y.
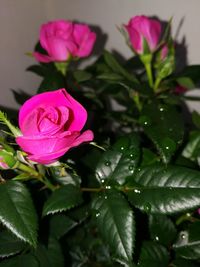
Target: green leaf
{"type": "Point", "coordinates": [148, 157]}
{"type": "Point", "coordinates": [110, 76]}
{"type": "Point", "coordinates": [162, 229]}
{"type": "Point", "coordinates": [53, 81]}
{"type": "Point", "coordinates": [183, 263]}
{"type": "Point", "coordinates": [17, 212]}
{"type": "Point", "coordinates": [196, 119]}
{"type": "Point", "coordinates": [40, 70]}
{"type": "Point", "coordinates": [64, 177]}
{"type": "Point", "coordinates": [60, 224]}
{"type": "Point", "coordinates": [55, 253]}
{"type": "Point", "coordinates": [120, 161]}
{"type": "Point", "coordinates": [192, 72]}
{"type": "Point", "coordinates": [188, 243]}
{"type": "Point", "coordinates": [62, 199]}
{"type": "Point", "coordinates": [50, 256]}
{"type": "Point", "coordinates": [116, 225]}
{"type": "Point", "coordinates": [192, 149]}
{"type": "Point", "coordinates": [21, 261]}
{"type": "Point", "coordinates": [163, 124]}
{"type": "Point", "coordinates": [9, 244]}
{"type": "Point", "coordinates": [82, 76]}
{"type": "Point", "coordinates": [117, 68]}
{"type": "Point", "coordinates": [159, 189]}
{"type": "Point", "coordinates": [153, 255]}
{"type": "Point", "coordinates": [186, 82]}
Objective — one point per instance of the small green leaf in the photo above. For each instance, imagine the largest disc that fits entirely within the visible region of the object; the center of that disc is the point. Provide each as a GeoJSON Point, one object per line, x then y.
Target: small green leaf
{"type": "Point", "coordinates": [188, 243]}
{"type": "Point", "coordinates": [9, 244]}
{"type": "Point", "coordinates": [64, 198]}
{"type": "Point", "coordinates": [163, 125]}
{"type": "Point", "coordinates": [153, 255]}
{"type": "Point", "coordinates": [117, 68]}
{"type": "Point", "coordinates": [82, 76]}
{"type": "Point", "coordinates": [60, 224]}
{"type": "Point", "coordinates": [183, 263]}
{"type": "Point", "coordinates": [186, 82]}
{"type": "Point", "coordinates": [192, 149]}
{"type": "Point", "coordinates": [113, 77]}
{"type": "Point", "coordinates": [162, 229]}
{"type": "Point", "coordinates": [17, 212]}
{"type": "Point", "coordinates": [159, 189]}
{"type": "Point", "coordinates": [196, 118]}
{"type": "Point", "coordinates": [21, 261]}
{"type": "Point", "coordinates": [116, 225]}
{"type": "Point", "coordinates": [120, 161]}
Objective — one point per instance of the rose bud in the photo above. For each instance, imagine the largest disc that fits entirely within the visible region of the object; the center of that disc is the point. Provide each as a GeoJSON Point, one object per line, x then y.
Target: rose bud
{"type": "Point", "coordinates": [7, 160]}
{"type": "Point", "coordinates": [51, 124]}
{"type": "Point", "coordinates": [142, 28]}
{"type": "Point", "coordinates": [62, 39]}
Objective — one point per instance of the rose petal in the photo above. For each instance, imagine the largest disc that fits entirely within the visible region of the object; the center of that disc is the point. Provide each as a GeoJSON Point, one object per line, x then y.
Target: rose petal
{"type": "Point", "coordinates": [52, 157]}
{"type": "Point", "coordinates": [46, 144]}
{"type": "Point", "coordinates": [56, 99]}
{"type": "Point", "coordinates": [84, 38]}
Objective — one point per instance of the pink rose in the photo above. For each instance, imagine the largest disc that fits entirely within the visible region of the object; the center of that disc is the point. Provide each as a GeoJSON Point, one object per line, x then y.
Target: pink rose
{"type": "Point", "coordinates": [62, 39]}
{"type": "Point", "coordinates": [140, 28]}
{"type": "Point", "coordinates": [50, 124]}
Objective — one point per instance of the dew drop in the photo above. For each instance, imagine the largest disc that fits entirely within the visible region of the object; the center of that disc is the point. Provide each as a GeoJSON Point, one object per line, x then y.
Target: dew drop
{"type": "Point", "coordinates": [137, 191]}
{"type": "Point", "coordinates": [144, 120]}
{"type": "Point", "coordinates": [97, 214]}
{"type": "Point", "coordinates": [131, 167]}
{"type": "Point", "coordinates": [107, 163]}
{"type": "Point", "coordinates": [131, 156]}
{"type": "Point", "coordinates": [108, 187]}
{"type": "Point", "coordinates": [161, 109]}
{"type": "Point", "coordinates": [157, 238]}
{"type": "Point", "coordinates": [103, 181]}
{"type": "Point", "coordinates": [122, 148]}
{"type": "Point", "coordinates": [105, 197]}
{"type": "Point", "coordinates": [183, 236]}
{"type": "Point", "coordinates": [147, 208]}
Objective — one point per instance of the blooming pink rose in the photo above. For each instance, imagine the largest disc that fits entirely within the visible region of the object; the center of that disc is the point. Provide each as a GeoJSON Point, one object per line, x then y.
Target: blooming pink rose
{"type": "Point", "coordinates": [140, 28]}
{"type": "Point", "coordinates": [50, 124]}
{"type": "Point", "coordinates": [62, 39]}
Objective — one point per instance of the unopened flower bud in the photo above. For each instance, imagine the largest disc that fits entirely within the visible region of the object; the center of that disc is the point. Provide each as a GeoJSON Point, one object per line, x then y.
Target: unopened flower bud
{"type": "Point", "coordinates": [7, 159]}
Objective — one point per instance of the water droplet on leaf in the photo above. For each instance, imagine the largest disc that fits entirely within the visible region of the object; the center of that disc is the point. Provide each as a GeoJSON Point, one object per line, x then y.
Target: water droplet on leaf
{"type": "Point", "coordinates": [131, 167]}
{"type": "Point", "coordinates": [107, 163]}
{"type": "Point", "coordinates": [147, 208]}
{"type": "Point", "coordinates": [145, 121]}
{"type": "Point", "coordinates": [137, 191]}
{"type": "Point", "coordinates": [108, 187]}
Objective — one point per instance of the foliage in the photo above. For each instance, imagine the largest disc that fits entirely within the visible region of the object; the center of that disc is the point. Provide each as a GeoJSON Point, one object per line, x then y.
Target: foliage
{"type": "Point", "coordinates": [131, 197]}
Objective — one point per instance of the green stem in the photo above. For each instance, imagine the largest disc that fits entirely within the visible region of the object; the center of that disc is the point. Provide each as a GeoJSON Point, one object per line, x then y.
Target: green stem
{"type": "Point", "coordinates": [149, 74]}
{"type": "Point", "coordinates": [35, 174]}
{"type": "Point", "coordinates": [136, 98]}
{"type": "Point", "coordinates": [157, 83]}
{"type": "Point", "coordinates": [184, 217]}
{"type": "Point", "coordinates": [93, 190]}
{"type": "Point", "coordinates": [146, 60]}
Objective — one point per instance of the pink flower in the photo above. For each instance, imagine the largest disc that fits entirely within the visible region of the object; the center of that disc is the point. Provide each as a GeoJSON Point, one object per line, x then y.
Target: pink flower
{"type": "Point", "coordinates": [164, 52]}
{"type": "Point", "coordinates": [140, 28]}
{"type": "Point", "coordinates": [51, 124]}
{"type": "Point", "coordinates": [62, 39]}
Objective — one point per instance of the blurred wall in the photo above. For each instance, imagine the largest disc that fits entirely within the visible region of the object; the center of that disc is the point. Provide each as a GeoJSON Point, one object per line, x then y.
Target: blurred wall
{"type": "Point", "coordinates": [20, 21]}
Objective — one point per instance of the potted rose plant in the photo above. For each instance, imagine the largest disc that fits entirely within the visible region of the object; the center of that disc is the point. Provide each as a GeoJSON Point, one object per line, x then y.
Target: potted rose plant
{"type": "Point", "coordinates": [84, 183]}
